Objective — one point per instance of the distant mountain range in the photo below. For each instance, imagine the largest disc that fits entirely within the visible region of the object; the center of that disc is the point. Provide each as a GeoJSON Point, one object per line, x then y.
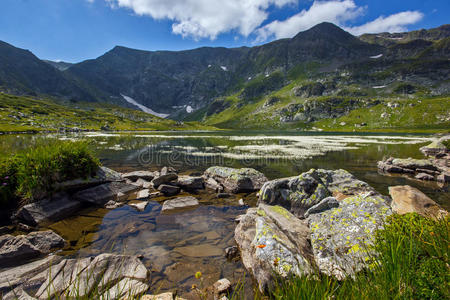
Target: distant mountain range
{"type": "Point", "coordinates": [180, 83]}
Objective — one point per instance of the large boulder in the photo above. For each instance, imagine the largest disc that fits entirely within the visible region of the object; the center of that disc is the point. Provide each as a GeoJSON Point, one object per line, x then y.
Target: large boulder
{"type": "Point", "coordinates": [236, 180]}
{"type": "Point", "coordinates": [101, 194]}
{"type": "Point", "coordinates": [108, 275]}
{"type": "Point", "coordinates": [299, 193]}
{"type": "Point", "coordinates": [406, 199]}
{"type": "Point", "coordinates": [341, 237]}
{"type": "Point", "coordinates": [53, 209]}
{"type": "Point", "coordinates": [17, 250]}
{"type": "Point", "coordinates": [273, 241]}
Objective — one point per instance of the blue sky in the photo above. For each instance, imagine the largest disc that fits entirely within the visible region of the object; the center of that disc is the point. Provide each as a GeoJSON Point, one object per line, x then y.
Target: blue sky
{"type": "Point", "coordinates": [75, 30]}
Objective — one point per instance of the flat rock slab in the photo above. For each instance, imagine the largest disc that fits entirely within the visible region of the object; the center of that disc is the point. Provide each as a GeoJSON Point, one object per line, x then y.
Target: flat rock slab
{"type": "Point", "coordinates": [180, 202]}
{"type": "Point", "coordinates": [139, 206]}
{"type": "Point", "coordinates": [18, 250]}
{"type": "Point", "coordinates": [134, 176]}
{"type": "Point", "coordinates": [114, 276]}
{"type": "Point", "coordinates": [103, 175]}
{"type": "Point", "coordinates": [235, 180]}
{"type": "Point", "coordinates": [407, 199]}
{"type": "Point", "coordinates": [101, 194]}
{"type": "Point", "coordinates": [60, 206]}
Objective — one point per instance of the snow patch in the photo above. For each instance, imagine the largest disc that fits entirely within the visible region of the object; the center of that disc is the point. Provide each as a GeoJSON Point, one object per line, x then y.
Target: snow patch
{"type": "Point", "coordinates": [224, 68]}
{"type": "Point", "coordinates": [143, 108]}
{"type": "Point", "coordinates": [377, 56]}
{"type": "Point", "coordinates": [189, 109]}
{"type": "Point", "coordinates": [379, 87]}
{"type": "Point", "coordinates": [209, 66]}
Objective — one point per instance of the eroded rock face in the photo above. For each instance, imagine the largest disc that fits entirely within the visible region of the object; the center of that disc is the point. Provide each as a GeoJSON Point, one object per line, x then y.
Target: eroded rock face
{"type": "Point", "coordinates": [235, 180]}
{"type": "Point", "coordinates": [18, 250]}
{"type": "Point", "coordinates": [114, 276]}
{"type": "Point", "coordinates": [273, 241]}
{"type": "Point", "coordinates": [406, 199]}
{"type": "Point", "coordinates": [299, 193]}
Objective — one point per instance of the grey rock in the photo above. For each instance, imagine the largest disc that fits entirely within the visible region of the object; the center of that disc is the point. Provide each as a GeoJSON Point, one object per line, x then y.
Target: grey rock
{"type": "Point", "coordinates": [236, 180]}
{"type": "Point", "coordinates": [341, 237]}
{"type": "Point", "coordinates": [143, 183]}
{"type": "Point", "coordinates": [327, 203]}
{"type": "Point", "coordinates": [168, 190]}
{"type": "Point", "coordinates": [167, 170]}
{"type": "Point", "coordinates": [190, 183]}
{"type": "Point", "coordinates": [113, 275]}
{"type": "Point", "coordinates": [212, 184]}
{"type": "Point", "coordinates": [101, 194]}
{"type": "Point", "coordinates": [444, 178]}
{"type": "Point", "coordinates": [17, 250]}
{"type": "Point", "coordinates": [103, 175]}
{"type": "Point", "coordinates": [140, 206]}
{"type": "Point", "coordinates": [162, 179]}
{"type": "Point", "coordinates": [221, 286]}
{"type": "Point", "coordinates": [53, 209]}
{"type": "Point", "coordinates": [145, 175]}
{"type": "Point", "coordinates": [180, 202]}
{"type": "Point", "coordinates": [273, 241]}
{"type": "Point", "coordinates": [424, 176]}
{"type": "Point", "coordinates": [143, 194]}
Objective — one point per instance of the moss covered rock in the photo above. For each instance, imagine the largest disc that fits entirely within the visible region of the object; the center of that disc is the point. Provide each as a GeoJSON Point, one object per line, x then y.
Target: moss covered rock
{"type": "Point", "coordinates": [236, 180]}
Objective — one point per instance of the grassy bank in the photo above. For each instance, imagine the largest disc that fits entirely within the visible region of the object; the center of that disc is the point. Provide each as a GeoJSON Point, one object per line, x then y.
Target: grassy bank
{"type": "Point", "coordinates": [30, 175]}
{"type": "Point", "coordinates": [18, 114]}
{"type": "Point", "coordinates": [413, 263]}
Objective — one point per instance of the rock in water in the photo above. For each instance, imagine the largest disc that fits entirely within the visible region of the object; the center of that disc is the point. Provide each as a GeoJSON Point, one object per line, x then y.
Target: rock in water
{"type": "Point", "coordinates": [17, 250]}
{"type": "Point", "coordinates": [157, 181]}
{"type": "Point", "coordinates": [101, 194]}
{"type": "Point", "coordinates": [273, 241]}
{"type": "Point", "coordinates": [113, 276]}
{"type": "Point", "coordinates": [134, 176]}
{"type": "Point", "coordinates": [168, 190]}
{"type": "Point", "coordinates": [406, 199]}
{"type": "Point", "coordinates": [236, 180]}
{"type": "Point", "coordinates": [56, 208]}
{"type": "Point", "coordinates": [190, 183]}
{"type": "Point", "coordinates": [180, 202]}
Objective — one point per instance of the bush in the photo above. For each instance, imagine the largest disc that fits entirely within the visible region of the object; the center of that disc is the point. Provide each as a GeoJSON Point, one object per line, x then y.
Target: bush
{"type": "Point", "coordinates": [30, 175]}
{"type": "Point", "coordinates": [412, 263]}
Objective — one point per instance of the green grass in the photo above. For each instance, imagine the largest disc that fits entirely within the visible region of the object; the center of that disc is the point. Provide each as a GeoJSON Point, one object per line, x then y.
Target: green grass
{"type": "Point", "coordinates": [19, 114]}
{"type": "Point", "coordinates": [412, 263]}
{"type": "Point", "coordinates": [30, 175]}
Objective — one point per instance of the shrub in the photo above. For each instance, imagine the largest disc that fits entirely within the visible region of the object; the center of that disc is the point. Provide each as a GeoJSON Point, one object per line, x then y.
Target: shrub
{"type": "Point", "coordinates": [30, 175]}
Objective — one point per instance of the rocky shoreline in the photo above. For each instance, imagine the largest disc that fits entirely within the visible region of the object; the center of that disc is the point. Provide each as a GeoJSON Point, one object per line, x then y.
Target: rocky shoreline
{"type": "Point", "coordinates": [319, 221]}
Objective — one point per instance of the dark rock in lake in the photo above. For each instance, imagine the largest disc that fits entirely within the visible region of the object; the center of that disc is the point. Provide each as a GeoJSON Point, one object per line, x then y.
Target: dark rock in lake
{"type": "Point", "coordinates": [58, 207]}
{"type": "Point", "coordinates": [169, 190]}
{"type": "Point", "coordinates": [190, 183]}
{"type": "Point", "coordinates": [236, 180]}
{"type": "Point", "coordinates": [162, 179]}
{"type": "Point", "coordinates": [101, 194]}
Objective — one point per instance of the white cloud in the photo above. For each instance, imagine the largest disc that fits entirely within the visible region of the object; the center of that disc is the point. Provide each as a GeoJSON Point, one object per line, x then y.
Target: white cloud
{"type": "Point", "coordinates": [393, 23]}
{"type": "Point", "coordinates": [205, 18]}
{"type": "Point", "coordinates": [338, 12]}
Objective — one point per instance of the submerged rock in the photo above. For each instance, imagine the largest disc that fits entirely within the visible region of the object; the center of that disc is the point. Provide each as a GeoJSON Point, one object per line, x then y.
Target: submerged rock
{"type": "Point", "coordinates": [180, 202]}
{"type": "Point", "coordinates": [101, 194]}
{"type": "Point", "coordinates": [17, 250]}
{"type": "Point", "coordinates": [235, 180]}
{"type": "Point", "coordinates": [57, 207]}
{"type": "Point", "coordinates": [112, 276]}
{"type": "Point", "coordinates": [406, 199]}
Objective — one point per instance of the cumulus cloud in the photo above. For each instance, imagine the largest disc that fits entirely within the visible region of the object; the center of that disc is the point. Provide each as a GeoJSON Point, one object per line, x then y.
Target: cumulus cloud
{"type": "Point", "coordinates": [393, 23]}
{"type": "Point", "coordinates": [205, 18]}
{"type": "Point", "coordinates": [338, 12]}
